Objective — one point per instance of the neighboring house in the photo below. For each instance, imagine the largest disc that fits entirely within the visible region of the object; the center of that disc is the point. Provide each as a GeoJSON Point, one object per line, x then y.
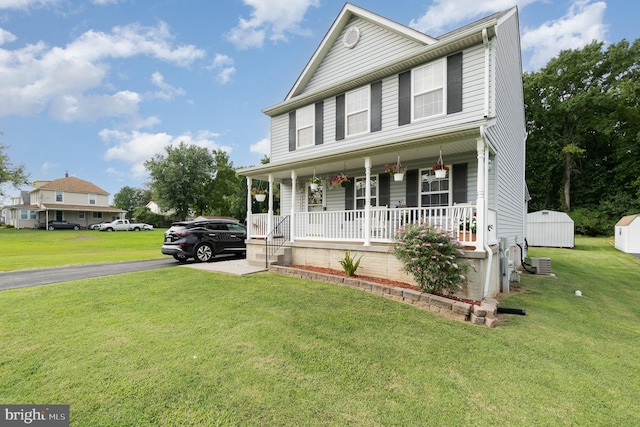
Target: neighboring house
{"type": "Point", "coordinates": [69, 198]}
{"type": "Point", "coordinates": [627, 238]}
{"type": "Point", "coordinates": [375, 92]}
{"type": "Point", "coordinates": [155, 208]}
{"type": "Point", "coordinates": [551, 229]}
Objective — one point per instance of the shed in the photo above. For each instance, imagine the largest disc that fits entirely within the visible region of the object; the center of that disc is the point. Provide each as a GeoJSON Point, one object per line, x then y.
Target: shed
{"type": "Point", "coordinates": [627, 237]}
{"type": "Point", "coordinates": [551, 229]}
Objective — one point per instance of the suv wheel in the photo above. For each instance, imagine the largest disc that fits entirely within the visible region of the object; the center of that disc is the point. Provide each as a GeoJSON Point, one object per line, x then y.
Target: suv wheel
{"type": "Point", "coordinates": [203, 252]}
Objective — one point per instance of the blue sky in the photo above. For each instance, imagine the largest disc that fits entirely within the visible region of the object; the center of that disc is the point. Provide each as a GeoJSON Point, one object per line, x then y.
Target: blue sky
{"type": "Point", "coordinates": [95, 88]}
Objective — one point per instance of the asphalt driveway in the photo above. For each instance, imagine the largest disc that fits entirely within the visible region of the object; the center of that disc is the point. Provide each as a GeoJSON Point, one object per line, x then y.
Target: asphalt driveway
{"type": "Point", "coordinates": [46, 276]}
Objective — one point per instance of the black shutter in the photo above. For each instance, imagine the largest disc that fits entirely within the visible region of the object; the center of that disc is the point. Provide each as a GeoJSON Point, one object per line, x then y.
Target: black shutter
{"type": "Point", "coordinates": [376, 106]}
{"type": "Point", "coordinates": [384, 190]}
{"type": "Point", "coordinates": [292, 131]}
{"type": "Point", "coordinates": [319, 123]}
{"type": "Point", "coordinates": [413, 187]}
{"type": "Point", "coordinates": [340, 117]}
{"type": "Point", "coordinates": [459, 182]}
{"type": "Point", "coordinates": [454, 83]}
{"type": "Point", "coordinates": [404, 98]}
{"type": "Point", "coordinates": [348, 195]}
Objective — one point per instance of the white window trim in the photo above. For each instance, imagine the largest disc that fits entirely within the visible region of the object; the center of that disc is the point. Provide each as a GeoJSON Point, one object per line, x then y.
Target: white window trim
{"type": "Point", "coordinates": [93, 197]}
{"type": "Point", "coordinates": [351, 113]}
{"type": "Point", "coordinates": [55, 196]}
{"type": "Point", "coordinates": [444, 91]}
{"type": "Point", "coordinates": [312, 127]}
{"type": "Point", "coordinates": [449, 190]}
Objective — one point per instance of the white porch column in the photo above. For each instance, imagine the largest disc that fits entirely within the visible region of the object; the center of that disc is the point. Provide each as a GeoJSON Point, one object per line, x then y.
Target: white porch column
{"type": "Point", "coordinates": [270, 206]}
{"type": "Point", "coordinates": [248, 219]}
{"type": "Point", "coordinates": [481, 201]}
{"type": "Point", "coordinates": [367, 202]}
{"type": "Point", "coordinates": [292, 217]}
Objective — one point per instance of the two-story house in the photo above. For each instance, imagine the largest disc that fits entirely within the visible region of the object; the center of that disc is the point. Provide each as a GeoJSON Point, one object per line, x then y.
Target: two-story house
{"type": "Point", "coordinates": [374, 94]}
{"type": "Point", "coordinates": [69, 198]}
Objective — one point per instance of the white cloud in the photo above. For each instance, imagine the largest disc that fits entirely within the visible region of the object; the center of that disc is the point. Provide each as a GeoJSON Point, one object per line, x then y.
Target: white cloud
{"type": "Point", "coordinates": [25, 4]}
{"type": "Point", "coordinates": [37, 77]}
{"type": "Point", "coordinates": [270, 19]}
{"type": "Point", "coordinates": [167, 92]}
{"type": "Point", "coordinates": [223, 65]}
{"type": "Point", "coordinates": [261, 147]}
{"type": "Point", "coordinates": [133, 148]}
{"type": "Point", "coordinates": [6, 37]}
{"type": "Point", "coordinates": [444, 15]}
{"type": "Point", "coordinates": [582, 24]}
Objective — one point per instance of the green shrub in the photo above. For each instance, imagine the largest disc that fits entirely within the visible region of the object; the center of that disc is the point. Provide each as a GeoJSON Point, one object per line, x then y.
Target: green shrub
{"type": "Point", "coordinates": [431, 255]}
{"type": "Point", "coordinates": [350, 264]}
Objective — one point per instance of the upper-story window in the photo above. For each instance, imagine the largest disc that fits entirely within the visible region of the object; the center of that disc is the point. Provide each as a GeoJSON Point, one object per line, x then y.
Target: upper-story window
{"type": "Point", "coordinates": [428, 90]}
{"type": "Point", "coordinates": [92, 199]}
{"type": "Point", "coordinates": [59, 196]}
{"type": "Point", "coordinates": [357, 111]}
{"type": "Point", "coordinates": [431, 90]}
{"type": "Point", "coordinates": [305, 126]}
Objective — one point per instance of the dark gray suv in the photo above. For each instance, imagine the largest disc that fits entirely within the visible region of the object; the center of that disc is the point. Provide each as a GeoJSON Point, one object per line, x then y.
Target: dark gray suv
{"type": "Point", "coordinates": [203, 240]}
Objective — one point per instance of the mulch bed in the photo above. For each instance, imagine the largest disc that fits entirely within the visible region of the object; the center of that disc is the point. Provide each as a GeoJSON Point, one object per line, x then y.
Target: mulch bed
{"type": "Point", "coordinates": [379, 280]}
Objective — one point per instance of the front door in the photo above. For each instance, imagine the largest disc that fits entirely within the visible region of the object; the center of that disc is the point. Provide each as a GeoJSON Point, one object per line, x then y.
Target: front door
{"type": "Point", "coordinates": [315, 206]}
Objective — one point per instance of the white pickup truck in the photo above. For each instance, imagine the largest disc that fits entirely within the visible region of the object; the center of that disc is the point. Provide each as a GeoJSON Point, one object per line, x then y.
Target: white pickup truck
{"type": "Point", "coordinates": [124, 225]}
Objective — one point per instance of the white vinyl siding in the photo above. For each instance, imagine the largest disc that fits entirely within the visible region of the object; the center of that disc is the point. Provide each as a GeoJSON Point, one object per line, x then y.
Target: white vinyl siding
{"type": "Point", "coordinates": [357, 111]}
{"type": "Point", "coordinates": [377, 45]}
{"type": "Point", "coordinates": [305, 126]}
{"type": "Point", "coordinates": [428, 90]}
{"type": "Point", "coordinates": [473, 109]}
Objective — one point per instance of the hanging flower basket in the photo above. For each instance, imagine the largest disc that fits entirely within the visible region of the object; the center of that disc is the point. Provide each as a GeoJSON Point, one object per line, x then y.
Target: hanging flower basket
{"type": "Point", "coordinates": [259, 194]}
{"type": "Point", "coordinates": [396, 170]}
{"type": "Point", "coordinates": [315, 182]}
{"type": "Point", "coordinates": [440, 168]}
{"type": "Point", "coordinates": [339, 180]}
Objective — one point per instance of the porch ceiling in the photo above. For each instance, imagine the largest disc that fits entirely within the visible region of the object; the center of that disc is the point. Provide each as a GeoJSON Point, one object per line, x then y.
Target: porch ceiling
{"type": "Point", "coordinates": [353, 159]}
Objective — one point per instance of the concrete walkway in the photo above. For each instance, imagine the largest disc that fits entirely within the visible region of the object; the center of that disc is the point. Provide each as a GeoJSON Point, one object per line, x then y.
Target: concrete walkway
{"type": "Point", "coordinates": [237, 267]}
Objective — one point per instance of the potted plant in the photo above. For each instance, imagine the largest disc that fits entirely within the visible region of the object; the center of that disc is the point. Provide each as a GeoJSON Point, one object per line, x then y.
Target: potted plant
{"type": "Point", "coordinates": [259, 194]}
{"type": "Point", "coordinates": [339, 180]}
{"type": "Point", "coordinates": [314, 183]}
{"type": "Point", "coordinates": [396, 170]}
{"type": "Point", "coordinates": [441, 170]}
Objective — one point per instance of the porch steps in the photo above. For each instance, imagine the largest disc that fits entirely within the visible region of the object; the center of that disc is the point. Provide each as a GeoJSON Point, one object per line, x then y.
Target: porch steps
{"type": "Point", "coordinates": [283, 257]}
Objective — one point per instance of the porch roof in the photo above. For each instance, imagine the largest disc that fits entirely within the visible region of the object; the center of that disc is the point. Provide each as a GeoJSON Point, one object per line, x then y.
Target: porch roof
{"type": "Point", "coordinates": [66, 207]}
{"type": "Point", "coordinates": [344, 156]}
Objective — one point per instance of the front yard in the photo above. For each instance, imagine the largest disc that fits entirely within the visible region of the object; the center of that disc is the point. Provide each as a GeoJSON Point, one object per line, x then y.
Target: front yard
{"type": "Point", "coordinates": [191, 348]}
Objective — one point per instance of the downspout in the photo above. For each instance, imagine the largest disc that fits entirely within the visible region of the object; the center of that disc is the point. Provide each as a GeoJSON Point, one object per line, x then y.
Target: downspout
{"type": "Point", "coordinates": [485, 41]}
{"type": "Point", "coordinates": [487, 248]}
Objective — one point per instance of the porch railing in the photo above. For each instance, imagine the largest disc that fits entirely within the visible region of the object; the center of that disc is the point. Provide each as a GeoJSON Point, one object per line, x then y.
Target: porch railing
{"type": "Point", "coordinates": [384, 223]}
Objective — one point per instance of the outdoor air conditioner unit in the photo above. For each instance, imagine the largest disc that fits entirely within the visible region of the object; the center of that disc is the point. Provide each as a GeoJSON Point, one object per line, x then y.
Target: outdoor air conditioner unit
{"type": "Point", "coordinates": [542, 265]}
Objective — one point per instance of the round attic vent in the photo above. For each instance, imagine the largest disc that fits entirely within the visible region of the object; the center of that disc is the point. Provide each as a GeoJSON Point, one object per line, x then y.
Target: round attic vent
{"type": "Point", "coordinates": [351, 37]}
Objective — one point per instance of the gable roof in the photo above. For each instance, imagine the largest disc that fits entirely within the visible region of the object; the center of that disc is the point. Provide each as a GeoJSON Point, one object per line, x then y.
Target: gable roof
{"type": "Point", "coordinates": [74, 185]}
{"type": "Point", "coordinates": [626, 220]}
{"type": "Point", "coordinates": [349, 11]}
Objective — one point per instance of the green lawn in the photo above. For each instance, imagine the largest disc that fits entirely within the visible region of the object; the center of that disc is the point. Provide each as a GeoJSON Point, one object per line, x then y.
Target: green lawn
{"type": "Point", "coordinates": [180, 347]}
{"type": "Point", "coordinates": [20, 249]}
